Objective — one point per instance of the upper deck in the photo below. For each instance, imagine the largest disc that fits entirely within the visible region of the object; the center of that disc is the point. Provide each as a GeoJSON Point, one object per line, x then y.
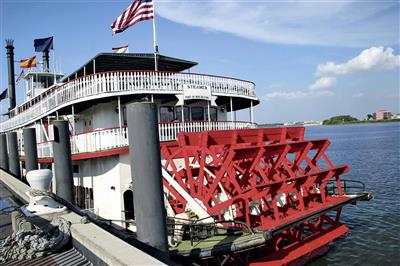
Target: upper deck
{"type": "Point", "coordinates": [87, 87]}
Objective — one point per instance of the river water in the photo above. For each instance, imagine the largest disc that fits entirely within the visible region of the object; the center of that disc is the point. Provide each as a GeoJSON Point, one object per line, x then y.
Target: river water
{"type": "Point", "coordinates": [373, 153]}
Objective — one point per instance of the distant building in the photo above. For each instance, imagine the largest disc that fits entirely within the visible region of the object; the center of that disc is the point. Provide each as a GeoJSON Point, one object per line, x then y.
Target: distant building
{"type": "Point", "coordinates": [382, 114]}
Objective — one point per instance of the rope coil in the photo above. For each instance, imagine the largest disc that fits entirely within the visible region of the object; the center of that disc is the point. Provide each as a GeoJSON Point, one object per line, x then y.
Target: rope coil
{"type": "Point", "coordinates": [29, 244]}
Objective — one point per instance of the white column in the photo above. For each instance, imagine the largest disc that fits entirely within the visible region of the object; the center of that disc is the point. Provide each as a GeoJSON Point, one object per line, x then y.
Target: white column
{"type": "Point", "coordinates": [208, 111]}
{"type": "Point", "coordinates": [94, 66]}
{"type": "Point", "coordinates": [73, 119]}
{"type": "Point", "coordinates": [231, 104]}
{"type": "Point", "coordinates": [251, 112]}
{"type": "Point", "coordinates": [37, 82]}
{"type": "Point", "coordinates": [119, 112]}
{"type": "Point", "coordinates": [26, 90]}
{"type": "Point", "coordinates": [32, 93]}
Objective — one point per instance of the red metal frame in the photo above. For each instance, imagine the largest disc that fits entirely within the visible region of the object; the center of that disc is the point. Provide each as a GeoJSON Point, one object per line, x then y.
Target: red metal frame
{"type": "Point", "coordinates": [272, 178]}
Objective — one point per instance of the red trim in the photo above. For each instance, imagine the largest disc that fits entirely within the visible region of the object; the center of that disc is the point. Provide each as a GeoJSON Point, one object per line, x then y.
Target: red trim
{"type": "Point", "coordinates": [305, 250]}
{"type": "Point", "coordinates": [202, 121]}
{"type": "Point", "coordinates": [45, 160]}
{"type": "Point", "coordinates": [90, 155]}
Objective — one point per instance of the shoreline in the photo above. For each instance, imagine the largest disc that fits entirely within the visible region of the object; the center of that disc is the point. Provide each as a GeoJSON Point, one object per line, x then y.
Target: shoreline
{"type": "Point", "coordinates": [365, 122]}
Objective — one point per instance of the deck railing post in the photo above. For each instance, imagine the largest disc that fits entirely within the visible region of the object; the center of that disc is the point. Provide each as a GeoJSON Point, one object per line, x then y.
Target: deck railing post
{"type": "Point", "coordinates": [145, 159]}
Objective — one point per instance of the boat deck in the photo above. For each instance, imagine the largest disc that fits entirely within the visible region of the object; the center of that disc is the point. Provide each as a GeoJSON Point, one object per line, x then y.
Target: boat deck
{"type": "Point", "coordinates": [219, 244]}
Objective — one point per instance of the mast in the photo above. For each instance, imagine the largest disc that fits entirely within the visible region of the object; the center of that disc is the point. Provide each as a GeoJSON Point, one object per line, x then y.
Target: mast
{"type": "Point", "coordinates": [155, 37]}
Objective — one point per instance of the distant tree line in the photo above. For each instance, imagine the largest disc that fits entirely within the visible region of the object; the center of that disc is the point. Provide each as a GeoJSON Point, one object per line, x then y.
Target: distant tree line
{"type": "Point", "coordinates": [341, 119]}
{"type": "Point", "coordinates": [347, 119]}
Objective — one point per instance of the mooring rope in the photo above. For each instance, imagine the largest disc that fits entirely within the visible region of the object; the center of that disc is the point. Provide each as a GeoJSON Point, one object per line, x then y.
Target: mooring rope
{"type": "Point", "coordinates": [28, 244]}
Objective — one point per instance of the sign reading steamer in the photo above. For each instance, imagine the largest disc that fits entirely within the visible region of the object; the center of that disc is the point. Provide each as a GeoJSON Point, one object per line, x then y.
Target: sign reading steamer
{"type": "Point", "coordinates": [196, 92]}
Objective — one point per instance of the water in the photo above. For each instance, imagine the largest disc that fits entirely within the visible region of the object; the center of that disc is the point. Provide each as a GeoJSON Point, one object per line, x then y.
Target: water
{"type": "Point", "coordinates": [373, 153]}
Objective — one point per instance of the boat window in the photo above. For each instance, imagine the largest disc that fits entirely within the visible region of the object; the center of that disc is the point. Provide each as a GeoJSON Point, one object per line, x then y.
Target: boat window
{"type": "Point", "coordinates": [129, 209]}
{"type": "Point", "coordinates": [213, 114]}
{"type": "Point", "coordinates": [178, 113]}
{"type": "Point", "coordinates": [166, 114]}
{"type": "Point", "coordinates": [75, 168]}
{"type": "Point", "coordinates": [197, 113]}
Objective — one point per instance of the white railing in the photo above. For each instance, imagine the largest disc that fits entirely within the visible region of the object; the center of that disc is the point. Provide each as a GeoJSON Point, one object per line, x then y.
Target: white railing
{"type": "Point", "coordinates": [169, 131]}
{"type": "Point", "coordinates": [113, 138]}
{"type": "Point", "coordinates": [45, 150]}
{"type": "Point", "coordinates": [99, 140]}
{"type": "Point", "coordinates": [124, 81]}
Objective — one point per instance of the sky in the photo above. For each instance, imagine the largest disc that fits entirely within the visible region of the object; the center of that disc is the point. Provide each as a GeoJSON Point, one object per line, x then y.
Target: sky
{"type": "Point", "coordinates": [310, 60]}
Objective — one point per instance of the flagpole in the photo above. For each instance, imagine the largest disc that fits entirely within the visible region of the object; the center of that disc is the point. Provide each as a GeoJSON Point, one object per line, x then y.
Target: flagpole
{"type": "Point", "coordinates": [155, 37]}
{"type": "Point", "coordinates": [54, 67]}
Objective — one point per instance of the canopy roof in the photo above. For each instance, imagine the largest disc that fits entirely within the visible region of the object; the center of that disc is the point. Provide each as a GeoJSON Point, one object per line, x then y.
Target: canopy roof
{"type": "Point", "coordinates": [112, 61]}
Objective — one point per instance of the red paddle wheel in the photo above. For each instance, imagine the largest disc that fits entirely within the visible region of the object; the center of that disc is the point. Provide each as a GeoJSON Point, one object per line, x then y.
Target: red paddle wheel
{"type": "Point", "coordinates": [269, 178]}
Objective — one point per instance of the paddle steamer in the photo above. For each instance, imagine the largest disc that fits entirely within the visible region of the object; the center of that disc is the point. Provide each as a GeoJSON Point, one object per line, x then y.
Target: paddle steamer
{"type": "Point", "coordinates": [233, 192]}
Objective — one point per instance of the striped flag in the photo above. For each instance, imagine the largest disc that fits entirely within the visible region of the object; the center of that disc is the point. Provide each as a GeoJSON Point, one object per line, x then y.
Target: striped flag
{"type": "Point", "coordinates": [137, 11]}
{"type": "Point", "coordinates": [28, 63]}
{"type": "Point", "coordinates": [120, 50]}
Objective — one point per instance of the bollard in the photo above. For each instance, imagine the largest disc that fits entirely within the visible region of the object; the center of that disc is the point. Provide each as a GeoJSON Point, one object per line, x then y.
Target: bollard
{"type": "Point", "coordinates": [145, 159]}
{"type": "Point", "coordinates": [3, 153]}
{"type": "Point", "coordinates": [13, 157]}
{"type": "Point", "coordinates": [30, 148]}
{"type": "Point", "coordinates": [62, 161]}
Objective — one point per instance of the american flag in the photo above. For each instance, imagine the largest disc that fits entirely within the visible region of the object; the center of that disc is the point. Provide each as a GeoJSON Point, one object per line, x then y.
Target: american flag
{"type": "Point", "coordinates": [120, 50]}
{"type": "Point", "coordinates": [20, 76]}
{"type": "Point", "coordinates": [137, 11]}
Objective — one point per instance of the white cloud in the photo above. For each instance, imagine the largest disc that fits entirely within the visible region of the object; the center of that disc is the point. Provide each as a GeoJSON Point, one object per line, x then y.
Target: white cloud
{"type": "Point", "coordinates": [374, 58]}
{"type": "Point", "coordinates": [296, 94]}
{"type": "Point", "coordinates": [357, 95]}
{"type": "Point", "coordinates": [322, 83]}
{"type": "Point", "coordinates": [332, 23]}
{"type": "Point", "coordinates": [371, 59]}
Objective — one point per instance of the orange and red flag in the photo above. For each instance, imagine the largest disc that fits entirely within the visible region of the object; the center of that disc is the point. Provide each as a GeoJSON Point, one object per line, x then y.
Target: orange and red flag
{"type": "Point", "coordinates": [28, 63]}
